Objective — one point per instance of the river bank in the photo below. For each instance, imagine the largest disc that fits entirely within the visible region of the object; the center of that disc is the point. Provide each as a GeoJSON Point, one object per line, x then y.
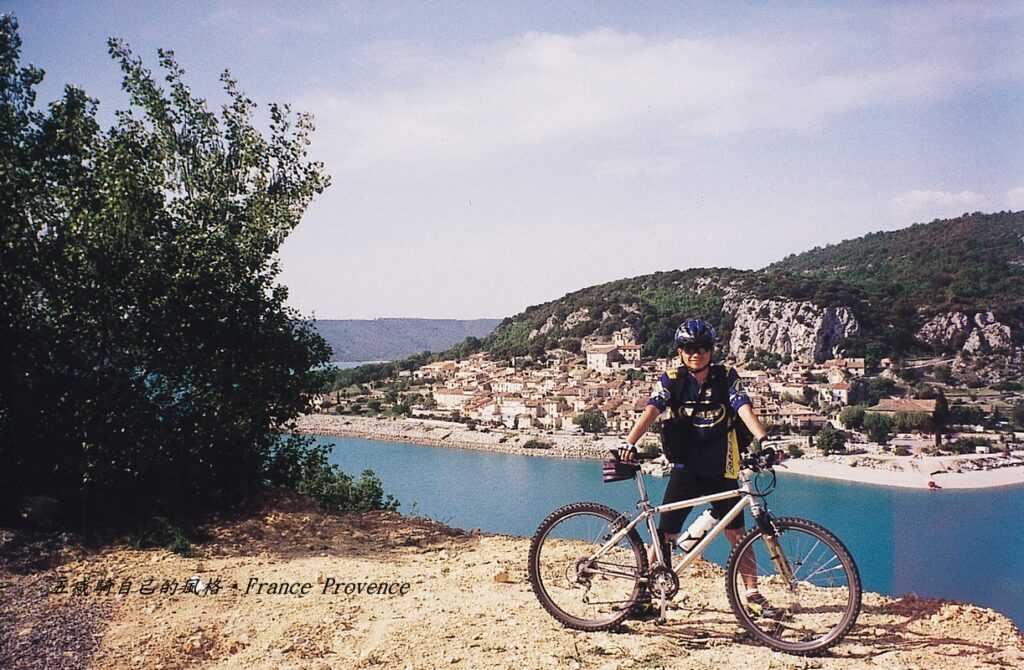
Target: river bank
{"type": "Point", "coordinates": [947, 472]}
{"type": "Point", "coordinates": [467, 604]}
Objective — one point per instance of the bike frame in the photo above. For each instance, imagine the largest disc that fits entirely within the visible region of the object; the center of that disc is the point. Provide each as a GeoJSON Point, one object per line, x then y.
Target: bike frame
{"type": "Point", "coordinates": [647, 512]}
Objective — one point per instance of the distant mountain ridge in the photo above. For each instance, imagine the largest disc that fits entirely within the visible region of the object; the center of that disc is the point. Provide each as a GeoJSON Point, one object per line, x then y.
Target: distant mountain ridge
{"type": "Point", "coordinates": [394, 338]}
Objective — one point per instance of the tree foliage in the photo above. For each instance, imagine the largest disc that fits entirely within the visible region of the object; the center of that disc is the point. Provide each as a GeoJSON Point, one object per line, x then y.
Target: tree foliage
{"type": "Point", "coordinates": [830, 440]}
{"type": "Point", "coordinates": [852, 416]}
{"type": "Point", "coordinates": [878, 427]}
{"type": "Point", "coordinates": [148, 355]}
{"type": "Point", "coordinates": [910, 421]}
{"type": "Point", "coordinates": [591, 421]}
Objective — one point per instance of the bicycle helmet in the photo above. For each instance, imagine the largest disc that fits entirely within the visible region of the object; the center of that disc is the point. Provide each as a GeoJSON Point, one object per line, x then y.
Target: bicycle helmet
{"type": "Point", "coordinates": [695, 332]}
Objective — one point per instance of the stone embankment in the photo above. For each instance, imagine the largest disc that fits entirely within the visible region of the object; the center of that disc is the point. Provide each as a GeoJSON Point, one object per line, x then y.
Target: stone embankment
{"type": "Point", "coordinates": [454, 435]}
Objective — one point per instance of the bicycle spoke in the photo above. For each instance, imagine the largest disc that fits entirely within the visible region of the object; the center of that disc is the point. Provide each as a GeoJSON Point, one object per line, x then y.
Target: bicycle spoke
{"type": "Point", "coordinates": [814, 609]}
{"type": "Point", "coordinates": [576, 588]}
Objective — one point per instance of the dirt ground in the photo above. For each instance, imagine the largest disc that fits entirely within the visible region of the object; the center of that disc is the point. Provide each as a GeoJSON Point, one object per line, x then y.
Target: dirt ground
{"type": "Point", "coordinates": [440, 597]}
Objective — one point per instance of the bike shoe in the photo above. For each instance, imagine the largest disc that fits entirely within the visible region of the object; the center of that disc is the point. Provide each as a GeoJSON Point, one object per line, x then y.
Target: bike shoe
{"type": "Point", "coordinates": [759, 608]}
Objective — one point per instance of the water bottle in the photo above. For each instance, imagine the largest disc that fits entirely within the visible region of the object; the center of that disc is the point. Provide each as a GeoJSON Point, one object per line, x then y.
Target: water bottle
{"type": "Point", "coordinates": [696, 532]}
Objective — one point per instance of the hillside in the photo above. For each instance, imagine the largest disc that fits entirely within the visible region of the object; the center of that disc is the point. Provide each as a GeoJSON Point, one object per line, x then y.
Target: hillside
{"type": "Point", "coordinates": [391, 339]}
{"type": "Point", "coordinates": [868, 296]}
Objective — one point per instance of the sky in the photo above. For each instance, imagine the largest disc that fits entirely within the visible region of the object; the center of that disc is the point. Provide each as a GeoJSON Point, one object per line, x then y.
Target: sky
{"type": "Point", "coordinates": [489, 156]}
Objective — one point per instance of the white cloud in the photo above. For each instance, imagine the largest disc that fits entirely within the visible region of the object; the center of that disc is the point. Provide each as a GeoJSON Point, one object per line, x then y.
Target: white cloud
{"type": "Point", "coordinates": [603, 85]}
{"type": "Point", "coordinates": [928, 205]}
{"type": "Point", "coordinates": [1015, 198]}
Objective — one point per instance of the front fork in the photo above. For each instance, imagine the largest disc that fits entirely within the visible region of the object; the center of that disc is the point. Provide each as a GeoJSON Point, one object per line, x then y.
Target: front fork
{"type": "Point", "coordinates": [766, 524]}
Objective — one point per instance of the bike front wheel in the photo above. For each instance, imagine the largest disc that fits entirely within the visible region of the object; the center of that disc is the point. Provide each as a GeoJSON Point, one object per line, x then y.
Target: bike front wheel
{"type": "Point", "coordinates": [809, 582]}
{"type": "Point", "coordinates": [579, 580]}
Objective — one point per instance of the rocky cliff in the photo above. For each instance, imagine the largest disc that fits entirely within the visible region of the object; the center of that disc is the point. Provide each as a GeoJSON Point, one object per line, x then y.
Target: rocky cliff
{"type": "Point", "coordinates": [983, 345]}
{"type": "Point", "coordinates": [981, 334]}
{"type": "Point", "coordinates": [799, 330]}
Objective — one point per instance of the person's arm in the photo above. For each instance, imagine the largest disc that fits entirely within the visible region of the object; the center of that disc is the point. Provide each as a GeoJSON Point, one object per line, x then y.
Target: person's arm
{"type": "Point", "coordinates": [651, 413]}
{"type": "Point", "coordinates": [655, 406]}
{"type": "Point", "coordinates": [741, 404]}
{"type": "Point", "coordinates": [753, 424]}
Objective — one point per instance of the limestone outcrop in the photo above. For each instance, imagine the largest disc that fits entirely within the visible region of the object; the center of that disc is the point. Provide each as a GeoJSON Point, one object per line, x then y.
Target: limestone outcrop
{"type": "Point", "coordinates": [990, 336]}
{"type": "Point", "coordinates": [800, 330]}
{"type": "Point", "coordinates": [982, 334]}
{"type": "Point", "coordinates": [946, 331]}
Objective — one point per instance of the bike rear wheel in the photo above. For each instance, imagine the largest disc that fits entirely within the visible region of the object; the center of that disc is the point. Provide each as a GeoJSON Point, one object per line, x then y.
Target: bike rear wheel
{"type": "Point", "coordinates": [579, 591]}
{"type": "Point", "coordinates": [812, 590]}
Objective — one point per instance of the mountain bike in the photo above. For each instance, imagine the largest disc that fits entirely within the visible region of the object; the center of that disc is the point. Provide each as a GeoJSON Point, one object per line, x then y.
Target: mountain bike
{"type": "Point", "coordinates": [589, 567]}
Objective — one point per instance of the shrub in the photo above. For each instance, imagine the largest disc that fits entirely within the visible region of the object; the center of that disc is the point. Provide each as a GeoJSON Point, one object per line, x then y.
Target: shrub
{"type": "Point", "coordinates": [830, 440]}
{"type": "Point", "coordinates": [852, 417]}
{"type": "Point", "coordinates": [591, 421]}
{"type": "Point", "coordinates": [537, 444]}
{"type": "Point", "coordinates": [966, 445]}
{"type": "Point", "coordinates": [878, 427]}
{"type": "Point", "coordinates": [303, 466]}
{"type": "Point", "coordinates": [149, 355]}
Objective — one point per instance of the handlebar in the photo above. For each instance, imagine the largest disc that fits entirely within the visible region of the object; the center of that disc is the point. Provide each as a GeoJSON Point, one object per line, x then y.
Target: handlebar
{"type": "Point", "coordinates": [638, 457]}
{"type": "Point", "coordinates": [766, 459]}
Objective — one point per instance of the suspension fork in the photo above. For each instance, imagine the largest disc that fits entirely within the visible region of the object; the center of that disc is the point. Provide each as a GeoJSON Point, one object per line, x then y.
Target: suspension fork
{"type": "Point", "coordinates": [766, 525]}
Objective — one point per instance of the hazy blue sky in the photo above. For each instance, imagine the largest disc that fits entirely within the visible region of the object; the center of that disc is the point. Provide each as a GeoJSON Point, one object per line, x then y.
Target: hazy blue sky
{"type": "Point", "coordinates": [489, 156]}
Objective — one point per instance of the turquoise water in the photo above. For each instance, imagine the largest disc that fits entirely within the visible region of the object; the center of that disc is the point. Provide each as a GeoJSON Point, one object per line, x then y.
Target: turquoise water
{"type": "Point", "coordinates": [964, 545]}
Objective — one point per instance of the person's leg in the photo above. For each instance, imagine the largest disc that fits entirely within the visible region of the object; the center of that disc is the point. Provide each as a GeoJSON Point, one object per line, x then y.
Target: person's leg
{"type": "Point", "coordinates": [735, 530]}
{"type": "Point", "coordinates": [680, 487]}
{"type": "Point", "coordinates": [748, 571]}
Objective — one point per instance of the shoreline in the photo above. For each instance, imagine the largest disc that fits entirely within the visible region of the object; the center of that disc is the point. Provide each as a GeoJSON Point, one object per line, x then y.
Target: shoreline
{"type": "Point", "coordinates": [858, 469]}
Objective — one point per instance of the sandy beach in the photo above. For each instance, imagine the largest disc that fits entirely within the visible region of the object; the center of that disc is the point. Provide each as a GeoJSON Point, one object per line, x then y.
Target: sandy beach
{"type": "Point", "coordinates": [914, 473]}
{"type": "Point", "coordinates": [948, 472]}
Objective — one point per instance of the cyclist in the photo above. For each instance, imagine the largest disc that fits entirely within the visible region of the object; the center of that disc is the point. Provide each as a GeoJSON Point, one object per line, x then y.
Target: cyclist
{"type": "Point", "coordinates": [702, 439]}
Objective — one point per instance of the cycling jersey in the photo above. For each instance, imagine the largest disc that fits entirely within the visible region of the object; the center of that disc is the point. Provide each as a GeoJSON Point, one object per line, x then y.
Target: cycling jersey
{"type": "Point", "coordinates": [702, 432]}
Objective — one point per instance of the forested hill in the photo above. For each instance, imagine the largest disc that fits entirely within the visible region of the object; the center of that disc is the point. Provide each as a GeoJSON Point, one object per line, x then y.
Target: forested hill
{"type": "Point", "coordinates": [970, 263]}
{"type": "Point", "coordinates": [892, 282]}
{"type": "Point", "coordinates": [391, 339]}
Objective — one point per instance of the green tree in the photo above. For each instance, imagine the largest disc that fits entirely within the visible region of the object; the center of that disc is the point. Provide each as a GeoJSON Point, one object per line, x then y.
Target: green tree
{"type": "Point", "coordinates": [878, 427]}
{"type": "Point", "coordinates": [908, 421]}
{"type": "Point", "coordinates": [795, 451]}
{"type": "Point", "coordinates": [910, 375]}
{"type": "Point", "coordinates": [591, 421]}
{"type": "Point", "coordinates": [852, 417]}
{"type": "Point", "coordinates": [942, 373]}
{"type": "Point", "coordinates": [148, 356]}
{"type": "Point", "coordinates": [810, 396]}
{"type": "Point", "coordinates": [830, 440]}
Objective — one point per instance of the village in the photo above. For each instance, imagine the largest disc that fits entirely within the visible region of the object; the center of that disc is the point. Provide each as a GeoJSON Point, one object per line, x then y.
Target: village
{"type": "Point", "coordinates": [836, 407]}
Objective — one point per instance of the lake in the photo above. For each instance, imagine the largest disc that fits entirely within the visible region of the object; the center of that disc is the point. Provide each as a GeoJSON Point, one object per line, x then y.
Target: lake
{"type": "Point", "coordinates": [963, 545]}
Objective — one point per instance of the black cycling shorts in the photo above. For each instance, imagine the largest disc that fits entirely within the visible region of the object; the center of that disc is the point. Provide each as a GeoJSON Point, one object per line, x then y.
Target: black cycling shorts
{"type": "Point", "coordinates": [683, 484]}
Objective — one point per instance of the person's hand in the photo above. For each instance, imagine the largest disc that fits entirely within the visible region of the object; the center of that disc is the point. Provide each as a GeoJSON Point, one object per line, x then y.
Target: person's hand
{"type": "Point", "coordinates": [627, 452]}
{"type": "Point", "coordinates": [760, 443]}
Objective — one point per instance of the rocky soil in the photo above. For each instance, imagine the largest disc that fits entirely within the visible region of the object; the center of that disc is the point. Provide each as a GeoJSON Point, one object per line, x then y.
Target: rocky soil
{"type": "Point", "coordinates": [468, 604]}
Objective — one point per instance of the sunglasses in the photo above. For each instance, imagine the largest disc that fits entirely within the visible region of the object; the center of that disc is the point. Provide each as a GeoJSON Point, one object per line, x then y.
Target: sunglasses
{"type": "Point", "coordinates": [695, 349]}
